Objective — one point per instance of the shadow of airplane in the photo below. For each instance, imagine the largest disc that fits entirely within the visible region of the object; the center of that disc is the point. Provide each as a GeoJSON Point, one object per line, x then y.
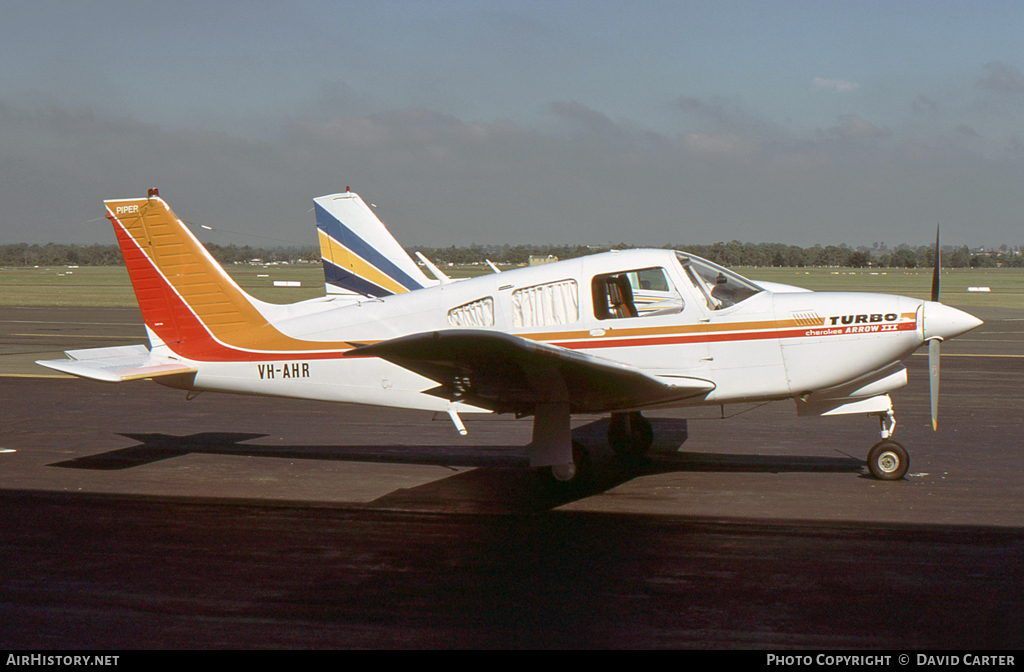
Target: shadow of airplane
{"type": "Point", "coordinates": [500, 480]}
{"type": "Point", "coordinates": [157, 447]}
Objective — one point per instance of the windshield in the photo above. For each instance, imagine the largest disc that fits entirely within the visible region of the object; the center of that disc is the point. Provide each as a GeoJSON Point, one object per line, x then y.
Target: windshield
{"type": "Point", "coordinates": [720, 286]}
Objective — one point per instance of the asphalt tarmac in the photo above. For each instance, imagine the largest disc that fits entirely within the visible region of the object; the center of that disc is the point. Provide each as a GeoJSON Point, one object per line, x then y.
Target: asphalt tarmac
{"type": "Point", "coordinates": [131, 517]}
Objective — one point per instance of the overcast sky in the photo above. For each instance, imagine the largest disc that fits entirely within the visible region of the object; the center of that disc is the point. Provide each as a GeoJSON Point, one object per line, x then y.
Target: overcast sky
{"type": "Point", "coordinates": [482, 121]}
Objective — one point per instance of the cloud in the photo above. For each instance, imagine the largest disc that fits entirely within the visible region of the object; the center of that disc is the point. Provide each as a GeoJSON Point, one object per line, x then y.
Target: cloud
{"type": "Point", "coordinates": [583, 115]}
{"type": "Point", "coordinates": [924, 105]}
{"type": "Point", "coordinates": [837, 85]}
{"type": "Point", "coordinates": [719, 145]}
{"type": "Point", "coordinates": [1015, 147]}
{"type": "Point", "coordinates": [413, 138]}
{"type": "Point", "coordinates": [722, 122]}
{"type": "Point", "coordinates": [1001, 78]}
{"type": "Point", "coordinates": [72, 159]}
{"type": "Point", "coordinates": [696, 107]}
{"type": "Point", "coordinates": [852, 127]}
{"type": "Point", "coordinates": [965, 130]}
{"type": "Point", "coordinates": [442, 179]}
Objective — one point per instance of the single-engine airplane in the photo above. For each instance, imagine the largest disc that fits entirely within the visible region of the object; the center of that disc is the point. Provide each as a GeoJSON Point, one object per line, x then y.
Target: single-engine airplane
{"type": "Point", "coordinates": [620, 332]}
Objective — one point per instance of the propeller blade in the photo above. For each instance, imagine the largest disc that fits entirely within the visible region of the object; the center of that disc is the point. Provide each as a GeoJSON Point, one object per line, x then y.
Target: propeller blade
{"type": "Point", "coordinates": [933, 380]}
{"type": "Point", "coordinates": [938, 265]}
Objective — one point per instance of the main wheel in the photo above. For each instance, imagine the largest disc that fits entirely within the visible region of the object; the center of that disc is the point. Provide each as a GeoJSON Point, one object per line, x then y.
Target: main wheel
{"type": "Point", "coordinates": [888, 461]}
{"type": "Point", "coordinates": [630, 434]}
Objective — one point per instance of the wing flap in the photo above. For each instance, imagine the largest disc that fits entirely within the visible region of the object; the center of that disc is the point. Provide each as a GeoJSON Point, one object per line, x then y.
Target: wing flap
{"type": "Point", "coordinates": [506, 373]}
{"type": "Point", "coordinates": [117, 364]}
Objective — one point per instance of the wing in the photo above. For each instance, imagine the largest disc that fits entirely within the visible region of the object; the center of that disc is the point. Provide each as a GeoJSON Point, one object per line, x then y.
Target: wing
{"type": "Point", "coordinates": [506, 373]}
{"type": "Point", "coordinates": [117, 364]}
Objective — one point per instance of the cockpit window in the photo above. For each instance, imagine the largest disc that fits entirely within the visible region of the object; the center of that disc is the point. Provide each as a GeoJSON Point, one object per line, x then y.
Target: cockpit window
{"type": "Point", "coordinates": [720, 286]}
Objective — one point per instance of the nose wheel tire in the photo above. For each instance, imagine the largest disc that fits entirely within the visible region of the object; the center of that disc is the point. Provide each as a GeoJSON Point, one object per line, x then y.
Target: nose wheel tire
{"type": "Point", "coordinates": [888, 461]}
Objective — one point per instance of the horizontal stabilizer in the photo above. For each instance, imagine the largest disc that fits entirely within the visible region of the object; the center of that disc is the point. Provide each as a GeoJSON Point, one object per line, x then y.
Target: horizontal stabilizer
{"type": "Point", "coordinates": [118, 364]}
{"type": "Point", "coordinates": [506, 373]}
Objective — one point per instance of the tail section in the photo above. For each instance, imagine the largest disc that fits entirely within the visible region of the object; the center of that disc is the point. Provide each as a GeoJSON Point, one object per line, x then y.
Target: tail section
{"type": "Point", "coordinates": [360, 255]}
{"type": "Point", "coordinates": [171, 272]}
{"type": "Point", "coordinates": [188, 302]}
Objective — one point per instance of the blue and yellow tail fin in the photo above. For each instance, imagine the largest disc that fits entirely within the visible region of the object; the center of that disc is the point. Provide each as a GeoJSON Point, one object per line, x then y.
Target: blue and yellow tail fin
{"type": "Point", "coordinates": [359, 254]}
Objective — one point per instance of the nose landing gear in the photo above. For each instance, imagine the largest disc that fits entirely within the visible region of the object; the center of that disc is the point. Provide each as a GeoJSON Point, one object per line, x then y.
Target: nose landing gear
{"type": "Point", "coordinates": [888, 460]}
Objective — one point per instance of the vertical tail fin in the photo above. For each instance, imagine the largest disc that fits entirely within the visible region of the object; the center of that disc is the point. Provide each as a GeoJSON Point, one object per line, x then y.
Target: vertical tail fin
{"type": "Point", "coordinates": [360, 255]}
{"type": "Point", "coordinates": [188, 302]}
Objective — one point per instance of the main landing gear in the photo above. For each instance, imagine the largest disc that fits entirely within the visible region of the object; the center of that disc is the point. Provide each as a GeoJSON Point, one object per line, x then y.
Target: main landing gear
{"type": "Point", "coordinates": [569, 475]}
{"type": "Point", "coordinates": [888, 460]}
{"type": "Point", "coordinates": [630, 434]}
{"type": "Point", "coordinates": [630, 437]}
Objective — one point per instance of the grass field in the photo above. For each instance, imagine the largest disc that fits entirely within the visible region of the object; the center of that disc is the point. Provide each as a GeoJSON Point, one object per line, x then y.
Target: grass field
{"type": "Point", "coordinates": [1006, 284]}
{"type": "Point", "coordinates": [109, 286]}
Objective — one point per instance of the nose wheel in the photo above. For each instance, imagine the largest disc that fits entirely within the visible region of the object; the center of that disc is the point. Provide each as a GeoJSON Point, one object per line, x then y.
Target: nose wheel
{"type": "Point", "coordinates": [888, 460]}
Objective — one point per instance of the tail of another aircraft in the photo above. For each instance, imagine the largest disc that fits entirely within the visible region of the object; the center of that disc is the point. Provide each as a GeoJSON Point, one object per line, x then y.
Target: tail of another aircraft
{"type": "Point", "coordinates": [360, 255]}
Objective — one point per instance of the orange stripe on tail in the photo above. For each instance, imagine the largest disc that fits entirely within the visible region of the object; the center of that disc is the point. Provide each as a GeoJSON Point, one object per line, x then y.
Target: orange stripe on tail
{"type": "Point", "coordinates": [186, 298]}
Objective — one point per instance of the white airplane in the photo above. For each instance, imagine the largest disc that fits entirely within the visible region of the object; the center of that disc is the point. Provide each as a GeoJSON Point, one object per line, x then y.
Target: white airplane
{"type": "Point", "coordinates": [618, 333]}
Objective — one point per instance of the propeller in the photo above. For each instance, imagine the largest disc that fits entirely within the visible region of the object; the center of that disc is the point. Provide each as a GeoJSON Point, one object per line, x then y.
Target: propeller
{"type": "Point", "coordinates": [933, 344]}
{"type": "Point", "coordinates": [933, 380]}
{"type": "Point", "coordinates": [941, 322]}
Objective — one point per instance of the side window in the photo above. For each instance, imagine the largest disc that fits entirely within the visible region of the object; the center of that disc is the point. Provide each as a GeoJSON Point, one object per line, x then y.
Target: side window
{"type": "Point", "coordinates": [476, 314]}
{"type": "Point", "coordinates": [545, 305]}
{"type": "Point", "coordinates": [640, 293]}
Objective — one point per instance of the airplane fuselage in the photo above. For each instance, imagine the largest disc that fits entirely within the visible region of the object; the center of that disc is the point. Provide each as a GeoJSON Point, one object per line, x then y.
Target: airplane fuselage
{"type": "Point", "coordinates": [770, 345]}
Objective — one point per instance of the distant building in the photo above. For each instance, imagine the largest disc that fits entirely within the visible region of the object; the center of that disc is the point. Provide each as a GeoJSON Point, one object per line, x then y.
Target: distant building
{"type": "Point", "coordinates": [537, 259]}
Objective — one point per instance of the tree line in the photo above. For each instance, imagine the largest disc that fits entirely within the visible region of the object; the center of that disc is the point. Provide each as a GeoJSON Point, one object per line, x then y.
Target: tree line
{"type": "Point", "coordinates": [733, 253]}
{"type": "Point", "coordinates": [55, 254]}
{"type": "Point", "coordinates": [736, 253]}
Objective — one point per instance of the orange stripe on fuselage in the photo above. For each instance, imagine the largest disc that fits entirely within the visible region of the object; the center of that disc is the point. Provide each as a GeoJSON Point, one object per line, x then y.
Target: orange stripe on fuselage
{"type": "Point", "coordinates": [702, 333]}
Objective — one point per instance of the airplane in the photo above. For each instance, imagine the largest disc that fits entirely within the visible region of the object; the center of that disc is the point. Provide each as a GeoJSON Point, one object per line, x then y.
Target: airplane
{"type": "Point", "coordinates": [621, 332]}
